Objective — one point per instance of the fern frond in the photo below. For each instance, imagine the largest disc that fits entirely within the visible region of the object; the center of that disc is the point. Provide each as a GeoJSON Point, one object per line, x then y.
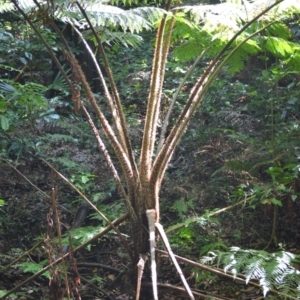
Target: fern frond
{"type": "Point", "coordinates": [59, 137]}
{"type": "Point", "coordinates": [151, 14]}
{"type": "Point", "coordinates": [26, 5]}
{"type": "Point", "coordinates": [273, 270]}
{"type": "Point", "coordinates": [125, 38]}
{"type": "Point", "coordinates": [225, 15]}
{"type": "Point", "coordinates": [6, 87]}
{"type": "Point", "coordinates": [193, 40]}
{"type": "Point", "coordinates": [254, 268]}
{"type": "Point", "coordinates": [279, 47]}
{"type": "Point", "coordinates": [99, 12]}
{"type": "Point", "coordinates": [116, 17]}
{"type": "Point", "coordinates": [243, 257]}
{"type": "Point", "coordinates": [32, 267]}
{"type": "Point", "coordinates": [280, 30]}
{"type": "Point", "coordinates": [65, 162]}
{"type": "Point", "coordinates": [108, 16]}
{"type": "Point", "coordinates": [236, 62]}
{"type": "Point", "coordinates": [59, 83]}
{"type": "Point", "coordinates": [6, 6]}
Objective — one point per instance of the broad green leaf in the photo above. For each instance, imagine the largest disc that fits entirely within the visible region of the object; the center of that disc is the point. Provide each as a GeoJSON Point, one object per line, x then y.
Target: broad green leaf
{"type": "Point", "coordinates": [294, 197]}
{"type": "Point", "coordinates": [4, 122]}
{"type": "Point", "coordinates": [276, 202]}
{"type": "Point", "coordinates": [274, 171]}
{"type": "Point", "coordinates": [84, 179]}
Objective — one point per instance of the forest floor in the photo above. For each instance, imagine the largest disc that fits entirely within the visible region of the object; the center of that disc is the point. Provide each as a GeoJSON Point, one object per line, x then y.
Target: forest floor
{"type": "Point", "coordinates": [104, 268]}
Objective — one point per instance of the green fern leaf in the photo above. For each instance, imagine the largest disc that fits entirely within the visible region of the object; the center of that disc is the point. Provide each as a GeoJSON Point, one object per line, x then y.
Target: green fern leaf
{"type": "Point", "coordinates": [273, 270]}
{"type": "Point", "coordinates": [280, 30]}
{"type": "Point", "coordinates": [280, 47]}
{"type": "Point", "coordinates": [236, 62]}
{"type": "Point", "coordinates": [32, 267]}
{"type": "Point", "coordinates": [59, 83]}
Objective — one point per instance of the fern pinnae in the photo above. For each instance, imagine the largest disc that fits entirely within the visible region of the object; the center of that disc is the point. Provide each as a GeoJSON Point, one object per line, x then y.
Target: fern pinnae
{"type": "Point", "coordinates": [220, 256]}
{"type": "Point", "coordinates": [111, 15]}
{"type": "Point", "coordinates": [152, 14]}
{"type": "Point", "coordinates": [242, 258]}
{"type": "Point", "coordinates": [254, 269]}
{"type": "Point", "coordinates": [126, 39]}
{"type": "Point", "coordinates": [280, 30]}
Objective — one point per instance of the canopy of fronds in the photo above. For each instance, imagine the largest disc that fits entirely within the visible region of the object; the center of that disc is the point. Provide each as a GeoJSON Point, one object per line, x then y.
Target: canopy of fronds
{"type": "Point", "coordinates": [106, 19]}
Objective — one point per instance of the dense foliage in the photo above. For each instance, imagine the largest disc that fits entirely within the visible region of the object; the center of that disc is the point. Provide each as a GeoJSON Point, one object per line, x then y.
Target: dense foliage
{"type": "Point", "coordinates": [232, 181]}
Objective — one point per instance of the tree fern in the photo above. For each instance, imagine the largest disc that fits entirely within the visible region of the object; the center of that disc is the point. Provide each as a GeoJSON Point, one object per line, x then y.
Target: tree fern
{"type": "Point", "coordinates": [273, 270]}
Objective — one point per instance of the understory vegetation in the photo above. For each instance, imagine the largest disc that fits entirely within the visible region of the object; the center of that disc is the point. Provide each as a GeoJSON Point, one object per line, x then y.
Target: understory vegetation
{"type": "Point", "coordinates": [115, 113]}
